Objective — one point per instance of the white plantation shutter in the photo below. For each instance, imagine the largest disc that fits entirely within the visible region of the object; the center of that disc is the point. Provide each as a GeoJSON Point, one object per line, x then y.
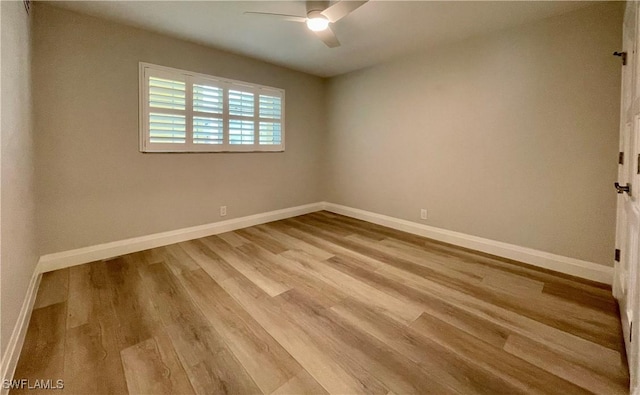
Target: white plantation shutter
{"type": "Point", "coordinates": [167, 128]}
{"type": "Point", "coordinates": [241, 132]}
{"type": "Point", "coordinates": [241, 116]}
{"type": "Point", "coordinates": [208, 130]}
{"type": "Point", "coordinates": [182, 111]}
{"type": "Point", "coordinates": [166, 118]}
{"type": "Point", "coordinates": [166, 93]}
{"type": "Point", "coordinates": [241, 103]}
{"type": "Point", "coordinates": [270, 107]}
{"type": "Point", "coordinates": [208, 110]}
{"type": "Point", "coordinates": [208, 98]}
{"type": "Point", "coordinates": [270, 133]}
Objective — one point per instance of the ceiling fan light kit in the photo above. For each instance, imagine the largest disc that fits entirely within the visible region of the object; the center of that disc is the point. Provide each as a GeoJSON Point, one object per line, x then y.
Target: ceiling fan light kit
{"type": "Point", "coordinates": [319, 16]}
{"type": "Point", "coordinates": [316, 22]}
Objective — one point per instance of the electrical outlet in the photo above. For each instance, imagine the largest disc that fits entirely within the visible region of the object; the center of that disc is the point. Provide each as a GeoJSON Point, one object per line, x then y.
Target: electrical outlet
{"type": "Point", "coordinates": [423, 213]}
{"type": "Point", "coordinates": [223, 211]}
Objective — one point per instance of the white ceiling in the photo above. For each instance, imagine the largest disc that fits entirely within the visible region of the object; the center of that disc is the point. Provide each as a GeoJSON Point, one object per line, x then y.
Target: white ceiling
{"type": "Point", "coordinates": [374, 33]}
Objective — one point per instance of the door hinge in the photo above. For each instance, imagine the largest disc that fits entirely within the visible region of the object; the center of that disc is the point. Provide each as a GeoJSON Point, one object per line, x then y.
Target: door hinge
{"type": "Point", "coordinates": [621, 158]}
{"type": "Point", "coordinates": [630, 331]}
{"type": "Point", "coordinates": [638, 170]}
{"type": "Point", "coordinates": [617, 255]}
{"type": "Point", "coordinates": [623, 55]}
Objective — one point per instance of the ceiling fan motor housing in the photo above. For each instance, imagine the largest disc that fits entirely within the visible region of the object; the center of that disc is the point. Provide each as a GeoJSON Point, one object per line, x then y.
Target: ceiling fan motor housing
{"type": "Point", "coordinates": [317, 6]}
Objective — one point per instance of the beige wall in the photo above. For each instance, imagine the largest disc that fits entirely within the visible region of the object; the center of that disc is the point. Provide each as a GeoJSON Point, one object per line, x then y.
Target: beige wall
{"type": "Point", "coordinates": [511, 136]}
{"type": "Point", "coordinates": [93, 184]}
{"type": "Point", "coordinates": [17, 201]}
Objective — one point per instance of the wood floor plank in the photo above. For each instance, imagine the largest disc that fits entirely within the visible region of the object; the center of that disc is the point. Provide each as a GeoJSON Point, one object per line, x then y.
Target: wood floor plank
{"type": "Point", "coordinates": [315, 361]}
{"type": "Point", "coordinates": [357, 353]}
{"type": "Point", "coordinates": [291, 243]}
{"type": "Point", "coordinates": [233, 239]}
{"type": "Point", "coordinates": [208, 260]}
{"type": "Point", "coordinates": [136, 320]}
{"type": "Point", "coordinates": [92, 361]}
{"type": "Point", "coordinates": [472, 260]}
{"type": "Point", "coordinates": [587, 323]}
{"type": "Point", "coordinates": [346, 245]}
{"type": "Point", "coordinates": [418, 258]}
{"type": "Point", "coordinates": [42, 355]}
{"type": "Point", "coordinates": [568, 342]}
{"type": "Point", "coordinates": [555, 363]}
{"type": "Point", "coordinates": [54, 288]}
{"type": "Point", "coordinates": [390, 305]}
{"type": "Point", "coordinates": [353, 229]}
{"type": "Point", "coordinates": [78, 304]}
{"type": "Point", "coordinates": [514, 267]}
{"type": "Point", "coordinates": [479, 259]}
{"type": "Point", "coordinates": [525, 376]}
{"type": "Point", "coordinates": [265, 360]}
{"type": "Point", "coordinates": [313, 220]}
{"type": "Point", "coordinates": [302, 383]}
{"type": "Point", "coordinates": [296, 274]}
{"type": "Point", "coordinates": [513, 284]}
{"type": "Point", "coordinates": [477, 271]}
{"type": "Point", "coordinates": [381, 232]}
{"type": "Point", "coordinates": [152, 367]}
{"type": "Point", "coordinates": [321, 243]}
{"type": "Point", "coordinates": [146, 257]}
{"type": "Point", "coordinates": [258, 237]}
{"type": "Point", "coordinates": [243, 264]}
{"type": "Point", "coordinates": [177, 259]}
{"type": "Point", "coordinates": [604, 303]}
{"type": "Point", "coordinates": [210, 365]}
{"type": "Point", "coordinates": [485, 330]}
{"type": "Point", "coordinates": [437, 363]}
{"type": "Point", "coordinates": [152, 256]}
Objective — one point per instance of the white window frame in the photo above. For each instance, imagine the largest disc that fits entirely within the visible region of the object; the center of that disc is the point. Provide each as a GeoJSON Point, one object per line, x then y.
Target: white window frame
{"type": "Point", "coordinates": [147, 69]}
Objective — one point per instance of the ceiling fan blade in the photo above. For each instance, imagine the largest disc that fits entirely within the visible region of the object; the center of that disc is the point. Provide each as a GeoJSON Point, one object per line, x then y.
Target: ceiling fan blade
{"type": "Point", "coordinates": [286, 17]}
{"type": "Point", "coordinates": [328, 37]}
{"type": "Point", "coordinates": [341, 9]}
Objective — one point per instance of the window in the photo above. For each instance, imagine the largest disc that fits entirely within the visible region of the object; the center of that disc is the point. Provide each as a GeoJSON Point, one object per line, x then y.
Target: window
{"type": "Point", "coordinates": [182, 111]}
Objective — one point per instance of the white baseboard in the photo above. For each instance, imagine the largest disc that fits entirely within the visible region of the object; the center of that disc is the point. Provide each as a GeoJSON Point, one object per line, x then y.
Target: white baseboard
{"type": "Point", "coordinates": [558, 263]}
{"type": "Point", "coordinates": [12, 354]}
{"type": "Point", "coordinates": [79, 256]}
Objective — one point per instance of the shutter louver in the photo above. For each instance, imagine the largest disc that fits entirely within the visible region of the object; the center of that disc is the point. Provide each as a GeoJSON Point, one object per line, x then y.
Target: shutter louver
{"type": "Point", "coordinates": [167, 128]}
{"type": "Point", "coordinates": [164, 93]}
{"type": "Point", "coordinates": [207, 99]}
{"type": "Point", "coordinates": [270, 107]}
{"type": "Point", "coordinates": [207, 130]}
{"type": "Point", "coordinates": [240, 132]}
{"type": "Point", "coordinates": [241, 103]}
{"type": "Point", "coordinates": [270, 133]}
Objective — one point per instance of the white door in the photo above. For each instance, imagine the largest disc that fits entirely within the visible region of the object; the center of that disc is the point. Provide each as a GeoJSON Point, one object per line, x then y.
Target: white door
{"type": "Point", "coordinates": [626, 278]}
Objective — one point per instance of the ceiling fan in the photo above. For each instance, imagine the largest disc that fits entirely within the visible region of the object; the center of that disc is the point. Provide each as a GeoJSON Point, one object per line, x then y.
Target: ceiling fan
{"type": "Point", "coordinates": [320, 14]}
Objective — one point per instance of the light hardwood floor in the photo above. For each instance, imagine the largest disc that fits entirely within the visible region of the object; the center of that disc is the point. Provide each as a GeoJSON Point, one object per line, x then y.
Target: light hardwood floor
{"type": "Point", "coordinates": [321, 304]}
